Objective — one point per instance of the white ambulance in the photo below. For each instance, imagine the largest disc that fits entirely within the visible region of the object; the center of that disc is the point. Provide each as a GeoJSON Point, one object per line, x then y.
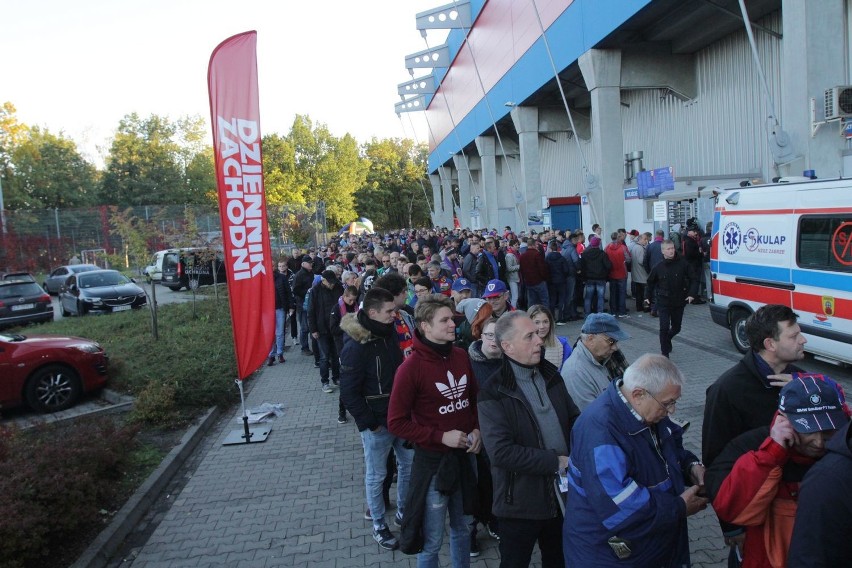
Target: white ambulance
{"type": "Point", "coordinates": [791, 244]}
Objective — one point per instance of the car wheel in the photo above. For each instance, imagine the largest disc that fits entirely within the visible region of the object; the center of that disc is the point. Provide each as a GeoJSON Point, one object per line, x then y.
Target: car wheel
{"type": "Point", "coordinates": [65, 313]}
{"type": "Point", "coordinates": [81, 309]}
{"type": "Point", "coordinates": [738, 333]}
{"type": "Point", "coordinates": [44, 287]}
{"type": "Point", "coordinates": [174, 288]}
{"type": "Point", "coordinates": [53, 388]}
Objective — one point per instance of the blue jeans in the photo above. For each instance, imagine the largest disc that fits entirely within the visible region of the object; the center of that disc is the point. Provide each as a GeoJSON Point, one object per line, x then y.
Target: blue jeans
{"type": "Point", "coordinates": [280, 326]}
{"type": "Point", "coordinates": [377, 446]}
{"type": "Point", "coordinates": [302, 316]}
{"type": "Point", "coordinates": [538, 295]}
{"type": "Point", "coordinates": [437, 507]}
{"type": "Point", "coordinates": [618, 296]}
{"type": "Point", "coordinates": [328, 356]}
{"type": "Point", "coordinates": [592, 287]}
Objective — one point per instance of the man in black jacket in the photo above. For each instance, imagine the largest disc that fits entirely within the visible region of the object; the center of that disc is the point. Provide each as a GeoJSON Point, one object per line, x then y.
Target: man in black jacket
{"type": "Point", "coordinates": [324, 298]}
{"type": "Point", "coordinates": [746, 396]}
{"type": "Point", "coordinates": [671, 286]}
{"type": "Point", "coordinates": [302, 282]}
{"type": "Point", "coordinates": [594, 266]}
{"type": "Point", "coordinates": [526, 415]}
{"type": "Point", "coordinates": [283, 307]}
{"type": "Point", "coordinates": [370, 358]}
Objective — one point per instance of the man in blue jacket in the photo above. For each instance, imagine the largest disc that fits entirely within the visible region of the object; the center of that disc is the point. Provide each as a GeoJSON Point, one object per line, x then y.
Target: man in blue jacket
{"type": "Point", "coordinates": [631, 484]}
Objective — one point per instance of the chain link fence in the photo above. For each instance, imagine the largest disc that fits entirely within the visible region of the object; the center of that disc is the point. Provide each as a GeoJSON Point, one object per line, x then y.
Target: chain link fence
{"type": "Point", "coordinates": [40, 240]}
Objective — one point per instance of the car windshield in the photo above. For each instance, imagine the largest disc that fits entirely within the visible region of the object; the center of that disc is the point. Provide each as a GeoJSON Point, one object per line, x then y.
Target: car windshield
{"type": "Point", "coordinates": [101, 279]}
{"type": "Point", "coordinates": [17, 289]}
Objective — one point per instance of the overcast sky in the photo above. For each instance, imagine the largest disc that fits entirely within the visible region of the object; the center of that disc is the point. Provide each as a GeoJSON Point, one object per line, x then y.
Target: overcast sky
{"type": "Point", "coordinates": [79, 67]}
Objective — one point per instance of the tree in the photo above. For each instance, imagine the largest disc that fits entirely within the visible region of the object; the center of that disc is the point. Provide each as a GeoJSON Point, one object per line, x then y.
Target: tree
{"type": "Point", "coordinates": [49, 172]}
{"type": "Point", "coordinates": [146, 164]}
{"type": "Point", "coordinates": [392, 195]}
{"type": "Point", "coordinates": [326, 168]}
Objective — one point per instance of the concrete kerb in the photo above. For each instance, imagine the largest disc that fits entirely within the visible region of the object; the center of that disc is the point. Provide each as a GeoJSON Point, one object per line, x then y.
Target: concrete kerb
{"type": "Point", "coordinates": [110, 539]}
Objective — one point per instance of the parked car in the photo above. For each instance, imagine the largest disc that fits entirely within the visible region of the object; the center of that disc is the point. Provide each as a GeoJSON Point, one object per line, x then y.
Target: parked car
{"type": "Point", "coordinates": [23, 301]}
{"type": "Point", "coordinates": [21, 276]}
{"type": "Point", "coordinates": [100, 291]}
{"type": "Point", "coordinates": [49, 373]}
{"type": "Point", "coordinates": [191, 267]}
{"type": "Point", "coordinates": [57, 278]}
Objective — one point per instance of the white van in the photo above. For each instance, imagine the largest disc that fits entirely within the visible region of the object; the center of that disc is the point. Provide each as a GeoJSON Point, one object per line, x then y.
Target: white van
{"type": "Point", "coordinates": [791, 244]}
{"type": "Point", "coordinates": [154, 271]}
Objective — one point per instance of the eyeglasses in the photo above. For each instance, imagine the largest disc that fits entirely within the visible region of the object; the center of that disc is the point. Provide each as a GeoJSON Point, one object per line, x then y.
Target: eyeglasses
{"type": "Point", "coordinates": [609, 341]}
{"type": "Point", "coordinates": [489, 336]}
{"type": "Point", "coordinates": [421, 290]}
{"type": "Point", "coordinates": [669, 407]}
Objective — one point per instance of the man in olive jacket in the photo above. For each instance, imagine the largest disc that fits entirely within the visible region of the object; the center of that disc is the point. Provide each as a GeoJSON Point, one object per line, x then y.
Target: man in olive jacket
{"type": "Point", "coordinates": [526, 416]}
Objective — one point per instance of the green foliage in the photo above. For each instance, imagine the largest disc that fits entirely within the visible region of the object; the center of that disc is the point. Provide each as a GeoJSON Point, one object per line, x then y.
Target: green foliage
{"type": "Point", "coordinates": [55, 480]}
{"type": "Point", "coordinates": [194, 355]}
{"type": "Point", "coordinates": [393, 193]}
{"type": "Point", "coordinates": [135, 233]}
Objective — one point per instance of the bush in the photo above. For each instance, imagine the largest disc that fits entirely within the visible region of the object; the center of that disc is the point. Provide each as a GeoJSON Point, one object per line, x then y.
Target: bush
{"type": "Point", "coordinates": [55, 481]}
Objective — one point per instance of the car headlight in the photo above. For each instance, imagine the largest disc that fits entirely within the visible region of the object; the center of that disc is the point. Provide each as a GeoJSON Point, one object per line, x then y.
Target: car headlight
{"type": "Point", "coordinates": [87, 347]}
{"type": "Point", "coordinates": [92, 300]}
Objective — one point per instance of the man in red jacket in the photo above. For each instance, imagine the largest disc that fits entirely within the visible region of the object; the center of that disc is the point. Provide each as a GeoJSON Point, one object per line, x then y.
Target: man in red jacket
{"type": "Point", "coordinates": [618, 256]}
{"type": "Point", "coordinates": [433, 405]}
{"type": "Point", "coordinates": [760, 490]}
{"type": "Point", "coordinates": [535, 273]}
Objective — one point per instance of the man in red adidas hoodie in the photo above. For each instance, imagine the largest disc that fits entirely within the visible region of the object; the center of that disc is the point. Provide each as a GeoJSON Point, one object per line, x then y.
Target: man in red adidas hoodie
{"type": "Point", "coordinates": [433, 405]}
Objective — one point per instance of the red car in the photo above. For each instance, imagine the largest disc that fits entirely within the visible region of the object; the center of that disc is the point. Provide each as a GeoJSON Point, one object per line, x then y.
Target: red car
{"type": "Point", "coordinates": [48, 372]}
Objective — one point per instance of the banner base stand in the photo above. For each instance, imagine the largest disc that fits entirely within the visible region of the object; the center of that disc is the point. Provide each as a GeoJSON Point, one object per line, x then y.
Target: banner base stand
{"type": "Point", "coordinates": [247, 435]}
{"type": "Point", "coordinates": [256, 436]}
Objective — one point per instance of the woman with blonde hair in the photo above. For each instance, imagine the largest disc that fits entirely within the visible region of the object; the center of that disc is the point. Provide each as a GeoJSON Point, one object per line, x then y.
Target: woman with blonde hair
{"type": "Point", "coordinates": [556, 348]}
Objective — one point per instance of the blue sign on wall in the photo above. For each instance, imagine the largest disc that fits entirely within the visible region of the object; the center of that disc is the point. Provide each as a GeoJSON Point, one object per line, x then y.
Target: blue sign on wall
{"type": "Point", "coordinates": [654, 182]}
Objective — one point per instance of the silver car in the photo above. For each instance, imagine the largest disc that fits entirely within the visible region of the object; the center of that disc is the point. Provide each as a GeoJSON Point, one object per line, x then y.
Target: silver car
{"type": "Point", "coordinates": [57, 278]}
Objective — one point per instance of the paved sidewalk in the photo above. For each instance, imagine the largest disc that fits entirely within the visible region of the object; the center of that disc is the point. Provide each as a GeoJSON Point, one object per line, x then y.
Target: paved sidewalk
{"type": "Point", "coordinates": [298, 498]}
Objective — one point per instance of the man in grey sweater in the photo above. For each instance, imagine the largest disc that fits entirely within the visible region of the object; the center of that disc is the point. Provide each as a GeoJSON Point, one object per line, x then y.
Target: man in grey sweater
{"type": "Point", "coordinates": [526, 416]}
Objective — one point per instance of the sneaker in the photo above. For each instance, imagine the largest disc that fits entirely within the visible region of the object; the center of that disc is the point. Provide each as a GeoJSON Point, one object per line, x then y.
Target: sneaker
{"type": "Point", "coordinates": [341, 418]}
{"type": "Point", "coordinates": [474, 545]}
{"type": "Point", "coordinates": [397, 520]}
{"type": "Point", "coordinates": [492, 530]}
{"type": "Point", "coordinates": [316, 364]}
{"type": "Point", "coordinates": [368, 516]}
{"type": "Point", "coordinates": [270, 362]}
{"type": "Point", "coordinates": [326, 388]}
{"type": "Point", "coordinates": [281, 359]}
{"type": "Point", "coordinates": [385, 538]}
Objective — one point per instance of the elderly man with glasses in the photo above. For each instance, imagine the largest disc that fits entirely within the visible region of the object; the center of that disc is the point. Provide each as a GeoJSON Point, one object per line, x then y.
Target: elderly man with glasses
{"type": "Point", "coordinates": [586, 373]}
{"type": "Point", "coordinates": [631, 484]}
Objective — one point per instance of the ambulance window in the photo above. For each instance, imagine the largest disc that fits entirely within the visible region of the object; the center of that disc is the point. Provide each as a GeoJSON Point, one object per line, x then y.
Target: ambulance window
{"type": "Point", "coordinates": [825, 243]}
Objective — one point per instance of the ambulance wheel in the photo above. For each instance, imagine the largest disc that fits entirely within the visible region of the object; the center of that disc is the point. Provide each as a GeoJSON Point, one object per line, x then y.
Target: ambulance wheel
{"type": "Point", "coordinates": [738, 333]}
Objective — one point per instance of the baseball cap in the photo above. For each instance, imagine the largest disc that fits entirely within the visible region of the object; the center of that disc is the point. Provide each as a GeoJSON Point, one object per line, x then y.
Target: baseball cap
{"type": "Point", "coordinates": [634, 233]}
{"type": "Point", "coordinates": [306, 258]}
{"type": "Point", "coordinates": [813, 402]}
{"type": "Point", "coordinates": [470, 307]}
{"type": "Point", "coordinates": [494, 288]}
{"type": "Point", "coordinates": [605, 324]}
{"type": "Point", "coordinates": [461, 284]}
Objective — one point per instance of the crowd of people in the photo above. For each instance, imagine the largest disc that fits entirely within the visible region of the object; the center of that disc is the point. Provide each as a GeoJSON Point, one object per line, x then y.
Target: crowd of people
{"type": "Point", "coordinates": [444, 348]}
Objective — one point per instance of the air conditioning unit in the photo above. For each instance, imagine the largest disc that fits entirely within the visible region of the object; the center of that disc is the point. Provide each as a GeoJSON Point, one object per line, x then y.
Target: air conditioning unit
{"type": "Point", "coordinates": [838, 102]}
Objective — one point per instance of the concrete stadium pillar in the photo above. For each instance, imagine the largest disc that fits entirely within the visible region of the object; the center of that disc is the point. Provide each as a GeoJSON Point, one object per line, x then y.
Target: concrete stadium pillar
{"type": "Point", "coordinates": [525, 120]}
{"type": "Point", "coordinates": [435, 180]}
{"type": "Point", "coordinates": [601, 70]}
{"type": "Point", "coordinates": [813, 59]}
{"type": "Point", "coordinates": [446, 219]}
{"type": "Point", "coordinates": [463, 169]}
{"type": "Point", "coordinates": [485, 145]}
